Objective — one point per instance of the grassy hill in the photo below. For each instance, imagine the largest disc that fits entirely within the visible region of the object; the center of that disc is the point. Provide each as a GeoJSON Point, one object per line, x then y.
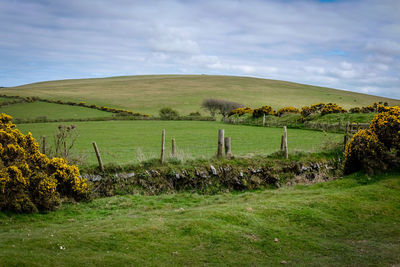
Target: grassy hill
{"type": "Point", "coordinates": [147, 94]}
{"type": "Point", "coordinates": [348, 222]}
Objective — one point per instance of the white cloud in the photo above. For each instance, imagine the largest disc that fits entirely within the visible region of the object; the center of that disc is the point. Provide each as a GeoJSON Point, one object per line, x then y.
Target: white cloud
{"type": "Point", "coordinates": [344, 44]}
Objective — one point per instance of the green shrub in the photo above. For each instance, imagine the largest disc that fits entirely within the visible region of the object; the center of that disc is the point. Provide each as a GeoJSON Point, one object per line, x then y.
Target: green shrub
{"type": "Point", "coordinates": [168, 114]}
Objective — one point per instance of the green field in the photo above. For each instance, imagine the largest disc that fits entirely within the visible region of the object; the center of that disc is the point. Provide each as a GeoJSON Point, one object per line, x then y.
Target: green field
{"type": "Point", "coordinates": [353, 221]}
{"type": "Point", "coordinates": [51, 111]}
{"type": "Point", "coordinates": [5, 99]}
{"type": "Point", "coordinates": [147, 94]}
{"type": "Point", "coordinates": [119, 141]}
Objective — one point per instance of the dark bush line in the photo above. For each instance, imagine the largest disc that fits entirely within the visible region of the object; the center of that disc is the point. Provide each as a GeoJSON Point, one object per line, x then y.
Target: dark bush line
{"type": "Point", "coordinates": [7, 103]}
{"type": "Point", "coordinates": [120, 114]}
{"type": "Point", "coordinates": [81, 104]}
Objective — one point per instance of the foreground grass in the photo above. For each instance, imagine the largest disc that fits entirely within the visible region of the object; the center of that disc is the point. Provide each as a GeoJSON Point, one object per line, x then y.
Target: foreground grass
{"type": "Point", "coordinates": [147, 94]}
{"type": "Point", "coordinates": [129, 141]}
{"type": "Point", "coordinates": [348, 222]}
{"type": "Point", "coordinates": [51, 111]}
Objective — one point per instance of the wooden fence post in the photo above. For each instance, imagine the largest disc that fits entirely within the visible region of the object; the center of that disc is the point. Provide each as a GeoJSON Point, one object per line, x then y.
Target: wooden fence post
{"type": "Point", "coordinates": [162, 146]}
{"type": "Point", "coordinates": [264, 120]}
{"type": "Point", "coordinates": [98, 156]}
{"type": "Point", "coordinates": [228, 152]}
{"type": "Point", "coordinates": [221, 133]}
{"type": "Point", "coordinates": [173, 148]}
{"type": "Point", "coordinates": [285, 143]}
{"type": "Point", "coordinates": [282, 143]}
{"type": "Point", "coordinates": [44, 144]}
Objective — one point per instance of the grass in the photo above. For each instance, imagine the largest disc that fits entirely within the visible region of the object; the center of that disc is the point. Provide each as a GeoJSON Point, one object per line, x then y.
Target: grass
{"type": "Point", "coordinates": [348, 222]}
{"type": "Point", "coordinates": [147, 94]}
{"type": "Point", "coordinates": [127, 141]}
{"type": "Point", "coordinates": [5, 99]}
{"type": "Point", "coordinates": [51, 111]}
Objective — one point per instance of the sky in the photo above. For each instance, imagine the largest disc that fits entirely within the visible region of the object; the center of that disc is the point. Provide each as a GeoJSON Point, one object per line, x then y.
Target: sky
{"type": "Point", "coordinates": [344, 44]}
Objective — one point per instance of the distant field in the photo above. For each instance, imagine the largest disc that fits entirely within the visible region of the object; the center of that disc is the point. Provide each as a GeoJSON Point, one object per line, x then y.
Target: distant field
{"type": "Point", "coordinates": [119, 141]}
{"type": "Point", "coordinates": [51, 111]}
{"type": "Point", "coordinates": [352, 221]}
{"type": "Point", "coordinates": [5, 99]}
{"type": "Point", "coordinates": [147, 94]}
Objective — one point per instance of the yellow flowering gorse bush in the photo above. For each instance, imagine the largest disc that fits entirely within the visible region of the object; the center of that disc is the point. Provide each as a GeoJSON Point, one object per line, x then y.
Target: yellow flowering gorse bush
{"type": "Point", "coordinates": [267, 110]}
{"type": "Point", "coordinates": [332, 108]}
{"type": "Point", "coordinates": [241, 111]}
{"type": "Point", "coordinates": [370, 149]}
{"type": "Point", "coordinates": [29, 180]}
{"type": "Point", "coordinates": [287, 110]}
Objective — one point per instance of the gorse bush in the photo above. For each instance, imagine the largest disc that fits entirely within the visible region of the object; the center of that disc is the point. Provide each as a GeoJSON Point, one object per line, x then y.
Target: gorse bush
{"type": "Point", "coordinates": [259, 112]}
{"type": "Point", "coordinates": [332, 108]}
{"type": "Point", "coordinates": [386, 125]}
{"type": "Point", "coordinates": [364, 151]}
{"type": "Point", "coordinates": [355, 110]}
{"type": "Point", "coordinates": [29, 180]}
{"type": "Point", "coordinates": [373, 149]}
{"type": "Point", "coordinates": [241, 111]}
{"type": "Point", "coordinates": [306, 111]}
{"type": "Point", "coordinates": [286, 110]}
{"type": "Point", "coordinates": [321, 108]}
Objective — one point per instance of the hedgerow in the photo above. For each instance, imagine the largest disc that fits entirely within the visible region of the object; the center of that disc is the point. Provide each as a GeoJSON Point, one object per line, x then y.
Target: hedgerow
{"type": "Point", "coordinates": [81, 104]}
{"type": "Point", "coordinates": [29, 180]}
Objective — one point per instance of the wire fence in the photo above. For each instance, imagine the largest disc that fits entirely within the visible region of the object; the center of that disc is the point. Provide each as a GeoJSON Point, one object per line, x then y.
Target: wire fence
{"type": "Point", "coordinates": [188, 150]}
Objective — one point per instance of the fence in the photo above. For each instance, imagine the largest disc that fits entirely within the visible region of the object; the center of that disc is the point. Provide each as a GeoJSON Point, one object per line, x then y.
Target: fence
{"type": "Point", "coordinates": [171, 149]}
{"type": "Point", "coordinates": [243, 141]}
{"type": "Point", "coordinates": [340, 127]}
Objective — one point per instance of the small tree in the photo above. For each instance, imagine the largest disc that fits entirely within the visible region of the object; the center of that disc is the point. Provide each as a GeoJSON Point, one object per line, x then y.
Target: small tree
{"type": "Point", "coordinates": [211, 105]}
{"type": "Point", "coordinates": [223, 107]}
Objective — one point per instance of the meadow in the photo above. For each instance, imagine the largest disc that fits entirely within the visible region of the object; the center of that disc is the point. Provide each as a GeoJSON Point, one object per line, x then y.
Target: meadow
{"type": "Point", "coordinates": [124, 142]}
{"type": "Point", "coordinates": [350, 221]}
{"type": "Point", "coordinates": [51, 111]}
{"type": "Point", "coordinates": [353, 221]}
{"type": "Point", "coordinates": [147, 94]}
